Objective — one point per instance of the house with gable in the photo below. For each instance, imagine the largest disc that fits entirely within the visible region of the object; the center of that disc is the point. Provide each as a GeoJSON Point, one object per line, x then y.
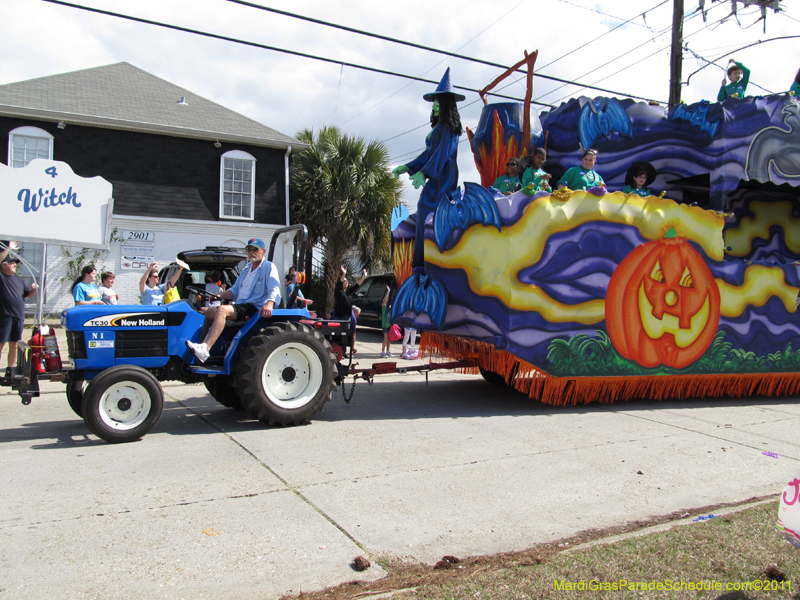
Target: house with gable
{"type": "Point", "coordinates": [186, 172]}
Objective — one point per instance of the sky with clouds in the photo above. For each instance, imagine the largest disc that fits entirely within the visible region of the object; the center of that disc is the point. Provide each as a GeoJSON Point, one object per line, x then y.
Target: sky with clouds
{"type": "Point", "coordinates": [289, 93]}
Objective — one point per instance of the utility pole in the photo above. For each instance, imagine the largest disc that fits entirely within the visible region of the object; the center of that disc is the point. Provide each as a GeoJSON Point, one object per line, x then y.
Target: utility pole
{"type": "Point", "coordinates": [676, 54]}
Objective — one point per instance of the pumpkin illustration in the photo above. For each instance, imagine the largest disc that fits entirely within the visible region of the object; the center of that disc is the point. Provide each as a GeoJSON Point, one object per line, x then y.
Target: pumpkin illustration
{"type": "Point", "coordinates": [662, 304]}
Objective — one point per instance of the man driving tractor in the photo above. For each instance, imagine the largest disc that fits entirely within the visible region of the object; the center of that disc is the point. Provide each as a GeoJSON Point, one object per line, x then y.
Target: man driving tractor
{"type": "Point", "coordinates": [257, 289]}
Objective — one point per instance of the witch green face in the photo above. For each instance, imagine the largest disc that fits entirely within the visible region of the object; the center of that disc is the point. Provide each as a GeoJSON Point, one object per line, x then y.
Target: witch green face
{"type": "Point", "coordinates": [435, 107]}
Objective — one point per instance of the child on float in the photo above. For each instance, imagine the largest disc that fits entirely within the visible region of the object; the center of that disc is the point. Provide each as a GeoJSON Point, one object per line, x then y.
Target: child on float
{"type": "Point", "coordinates": [509, 183]}
{"type": "Point", "coordinates": [534, 179]}
{"type": "Point", "coordinates": [639, 176]}
{"type": "Point", "coordinates": [583, 177]}
{"type": "Point", "coordinates": [795, 89]}
{"type": "Point", "coordinates": [739, 76]}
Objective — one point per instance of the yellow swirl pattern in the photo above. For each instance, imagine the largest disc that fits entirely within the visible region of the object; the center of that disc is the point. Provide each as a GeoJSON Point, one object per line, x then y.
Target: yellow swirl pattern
{"type": "Point", "coordinates": [767, 214]}
{"type": "Point", "coordinates": [760, 284]}
{"type": "Point", "coordinates": [493, 259]}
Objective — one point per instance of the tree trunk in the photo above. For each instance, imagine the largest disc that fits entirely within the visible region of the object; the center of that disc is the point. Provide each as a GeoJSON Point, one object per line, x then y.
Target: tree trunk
{"type": "Point", "coordinates": [333, 264]}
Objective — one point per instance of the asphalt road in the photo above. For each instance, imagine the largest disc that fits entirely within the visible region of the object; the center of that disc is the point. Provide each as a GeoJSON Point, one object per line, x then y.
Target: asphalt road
{"type": "Point", "coordinates": [212, 504]}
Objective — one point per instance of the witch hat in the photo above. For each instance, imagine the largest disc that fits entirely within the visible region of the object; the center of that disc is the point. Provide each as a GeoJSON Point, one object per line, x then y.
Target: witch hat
{"type": "Point", "coordinates": [636, 168]}
{"type": "Point", "coordinates": [445, 87]}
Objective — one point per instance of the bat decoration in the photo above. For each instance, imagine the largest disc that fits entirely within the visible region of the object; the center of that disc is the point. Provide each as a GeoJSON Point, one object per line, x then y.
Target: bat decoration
{"type": "Point", "coordinates": [422, 293]}
{"type": "Point", "coordinates": [602, 117]}
{"type": "Point", "coordinates": [454, 212]}
{"type": "Point", "coordinates": [696, 117]}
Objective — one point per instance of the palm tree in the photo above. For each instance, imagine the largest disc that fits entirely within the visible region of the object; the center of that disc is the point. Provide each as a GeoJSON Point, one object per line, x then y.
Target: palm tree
{"type": "Point", "coordinates": [344, 192]}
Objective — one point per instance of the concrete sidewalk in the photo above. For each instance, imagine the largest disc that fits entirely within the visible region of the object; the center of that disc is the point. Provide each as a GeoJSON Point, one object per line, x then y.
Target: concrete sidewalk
{"type": "Point", "coordinates": [212, 504]}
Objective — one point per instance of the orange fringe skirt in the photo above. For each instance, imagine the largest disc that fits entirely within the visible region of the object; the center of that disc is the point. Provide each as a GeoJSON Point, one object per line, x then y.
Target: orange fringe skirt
{"type": "Point", "coordinates": [563, 391]}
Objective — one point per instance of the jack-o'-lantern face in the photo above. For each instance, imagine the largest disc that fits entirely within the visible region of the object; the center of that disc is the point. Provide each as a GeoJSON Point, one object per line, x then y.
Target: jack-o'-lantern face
{"type": "Point", "coordinates": [662, 305]}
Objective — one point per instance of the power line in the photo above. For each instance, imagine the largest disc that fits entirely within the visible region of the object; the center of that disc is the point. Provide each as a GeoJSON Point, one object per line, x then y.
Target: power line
{"type": "Point", "coordinates": [414, 45]}
{"type": "Point", "coordinates": [783, 37]}
{"type": "Point", "coordinates": [713, 62]}
{"type": "Point", "coordinates": [692, 16]}
{"type": "Point", "coordinates": [601, 12]}
{"type": "Point", "coordinates": [273, 48]}
{"type": "Point", "coordinates": [686, 37]}
{"type": "Point", "coordinates": [476, 36]}
{"type": "Point", "coordinates": [624, 54]}
{"type": "Point", "coordinates": [601, 35]}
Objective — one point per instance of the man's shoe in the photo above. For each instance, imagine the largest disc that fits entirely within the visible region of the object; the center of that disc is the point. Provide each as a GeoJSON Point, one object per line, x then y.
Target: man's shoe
{"type": "Point", "coordinates": [200, 351]}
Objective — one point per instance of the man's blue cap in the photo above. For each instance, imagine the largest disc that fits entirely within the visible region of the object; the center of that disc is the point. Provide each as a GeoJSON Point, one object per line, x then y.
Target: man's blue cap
{"type": "Point", "coordinates": [256, 243]}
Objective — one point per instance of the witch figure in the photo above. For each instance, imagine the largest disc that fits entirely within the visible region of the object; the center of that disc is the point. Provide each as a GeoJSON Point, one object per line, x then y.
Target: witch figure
{"type": "Point", "coordinates": [436, 170]}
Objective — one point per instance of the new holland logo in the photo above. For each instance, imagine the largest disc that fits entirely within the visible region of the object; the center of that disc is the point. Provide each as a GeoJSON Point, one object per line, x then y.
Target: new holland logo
{"type": "Point", "coordinates": [129, 320]}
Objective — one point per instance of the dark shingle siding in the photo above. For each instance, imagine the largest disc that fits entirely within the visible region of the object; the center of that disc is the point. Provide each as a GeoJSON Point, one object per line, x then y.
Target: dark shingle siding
{"type": "Point", "coordinates": [158, 175]}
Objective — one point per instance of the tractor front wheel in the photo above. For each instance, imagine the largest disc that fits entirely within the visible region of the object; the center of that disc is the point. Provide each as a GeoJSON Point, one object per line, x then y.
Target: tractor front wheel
{"type": "Point", "coordinates": [122, 403]}
{"type": "Point", "coordinates": [75, 391]}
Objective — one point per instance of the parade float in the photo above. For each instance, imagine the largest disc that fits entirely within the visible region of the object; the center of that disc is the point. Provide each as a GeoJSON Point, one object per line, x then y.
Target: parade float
{"type": "Point", "coordinates": [578, 296]}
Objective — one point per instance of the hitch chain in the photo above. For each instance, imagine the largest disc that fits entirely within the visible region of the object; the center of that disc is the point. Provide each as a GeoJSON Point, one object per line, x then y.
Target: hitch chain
{"type": "Point", "coordinates": [352, 391]}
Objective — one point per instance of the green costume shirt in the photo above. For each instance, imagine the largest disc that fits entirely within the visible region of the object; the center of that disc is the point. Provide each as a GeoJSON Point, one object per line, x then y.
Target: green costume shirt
{"type": "Point", "coordinates": [735, 90]}
{"type": "Point", "coordinates": [578, 178]}
{"type": "Point", "coordinates": [533, 177]}
{"type": "Point", "coordinates": [506, 183]}
{"type": "Point", "coordinates": [640, 191]}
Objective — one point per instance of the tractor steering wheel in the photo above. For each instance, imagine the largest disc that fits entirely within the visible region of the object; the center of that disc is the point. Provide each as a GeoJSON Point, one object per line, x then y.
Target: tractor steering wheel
{"type": "Point", "coordinates": [203, 293]}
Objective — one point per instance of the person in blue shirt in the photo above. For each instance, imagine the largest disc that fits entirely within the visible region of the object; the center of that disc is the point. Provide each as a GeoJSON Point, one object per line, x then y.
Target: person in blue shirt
{"type": "Point", "coordinates": [291, 285]}
{"type": "Point", "coordinates": [153, 292]}
{"type": "Point", "coordinates": [84, 290]}
{"type": "Point", "coordinates": [739, 76]}
{"type": "Point", "coordinates": [257, 290]}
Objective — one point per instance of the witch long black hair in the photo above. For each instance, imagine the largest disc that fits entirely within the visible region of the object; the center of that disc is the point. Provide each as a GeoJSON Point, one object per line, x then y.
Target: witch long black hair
{"type": "Point", "coordinates": [797, 77]}
{"type": "Point", "coordinates": [448, 114]}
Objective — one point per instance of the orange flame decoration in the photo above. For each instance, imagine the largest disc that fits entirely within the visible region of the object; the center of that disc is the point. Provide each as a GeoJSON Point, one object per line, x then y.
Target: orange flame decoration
{"type": "Point", "coordinates": [491, 162]}
{"type": "Point", "coordinates": [401, 259]}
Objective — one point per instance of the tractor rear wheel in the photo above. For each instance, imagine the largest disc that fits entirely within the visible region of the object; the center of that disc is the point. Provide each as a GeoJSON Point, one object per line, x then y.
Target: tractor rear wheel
{"type": "Point", "coordinates": [492, 377]}
{"type": "Point", "coordinates": [285, 374]}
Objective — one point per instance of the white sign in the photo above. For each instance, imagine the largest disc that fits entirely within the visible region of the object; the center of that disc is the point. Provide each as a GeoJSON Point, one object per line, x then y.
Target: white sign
{"type": "Point", "coordinates": [137, 251]}
{"type": "Point", "coordinates": [45, 202]}
{"type": "Point", "coordinates": [138, 236]}
{"type": "Point", "coordinates": [136, 264]}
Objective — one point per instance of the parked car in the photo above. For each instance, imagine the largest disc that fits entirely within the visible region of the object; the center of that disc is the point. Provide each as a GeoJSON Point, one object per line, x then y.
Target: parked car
{"type": "Point", "coordinates": [368, 296]}
{"type": "Point", "coordinates": [228, 261]}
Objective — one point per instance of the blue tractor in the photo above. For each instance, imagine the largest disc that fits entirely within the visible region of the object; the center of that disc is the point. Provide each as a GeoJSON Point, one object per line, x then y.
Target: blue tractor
{"type": "Point", "coordinates": [281, 370]}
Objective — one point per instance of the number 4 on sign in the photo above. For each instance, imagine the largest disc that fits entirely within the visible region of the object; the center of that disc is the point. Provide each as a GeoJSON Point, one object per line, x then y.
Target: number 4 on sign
{"type": "Point", "coordinates": [52, 172]}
